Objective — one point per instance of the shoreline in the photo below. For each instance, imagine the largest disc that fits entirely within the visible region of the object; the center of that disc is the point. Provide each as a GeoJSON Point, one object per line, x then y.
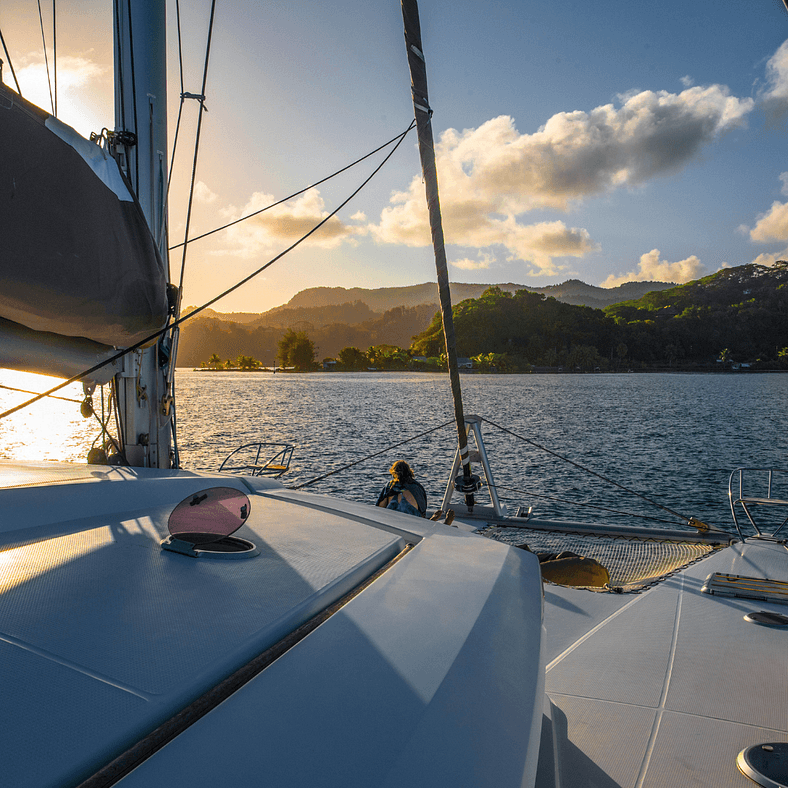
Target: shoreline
{"type": "Point", "coordinates": [535, 371]}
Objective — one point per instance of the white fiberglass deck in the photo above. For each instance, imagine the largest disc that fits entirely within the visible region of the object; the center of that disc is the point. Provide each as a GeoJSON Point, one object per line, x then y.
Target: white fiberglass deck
{"type": "Point", "coordinates": [665, 688]}
{"type": "Point", "coordinates": [104, 636]}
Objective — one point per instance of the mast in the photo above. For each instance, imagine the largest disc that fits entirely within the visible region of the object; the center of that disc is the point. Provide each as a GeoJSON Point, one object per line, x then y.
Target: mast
{"type": "Point", "coordinates": [140, 142]}
{"type": "Point", "coordinates": [421, 106]}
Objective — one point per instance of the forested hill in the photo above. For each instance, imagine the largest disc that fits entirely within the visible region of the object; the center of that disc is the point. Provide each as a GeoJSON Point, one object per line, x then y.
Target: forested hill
{"type": "Point", "coordinates": [573, 291]}
{"type": "Point", "coordinates": [738, 314]}
{"type": "Point", "coordinates": [203, 337]}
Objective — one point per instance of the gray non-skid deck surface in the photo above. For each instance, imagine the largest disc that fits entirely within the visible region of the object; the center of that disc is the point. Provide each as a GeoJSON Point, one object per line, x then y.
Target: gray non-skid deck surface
{"type": "Point", "coordinates": [669, 686]}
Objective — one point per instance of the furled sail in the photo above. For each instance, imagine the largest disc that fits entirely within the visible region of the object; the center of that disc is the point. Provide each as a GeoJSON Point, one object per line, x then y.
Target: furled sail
{"type": "Point", "coordinates": [76, 255]}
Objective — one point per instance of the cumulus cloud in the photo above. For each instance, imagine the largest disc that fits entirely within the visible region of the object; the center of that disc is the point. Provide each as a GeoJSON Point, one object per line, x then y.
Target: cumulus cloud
{"type": "Point", "coordinates": [284, 224]}
{"type": "Point", "coordinates": [73, 72]}
{"type": "Point", "coordinates": [483, 261]}
{"type": "Point", "coordinates": [770, 259]}
{"type": "Point", "coordinates": [203, 193]}
{"type": "Point", "coordinates": [492, 175]}
{"type": "Point", "coordinates": [652, 269]}
{"type": "Point", "coordinates": [774, 96]}
{"type": "Point", "coordinates": [772, 225]}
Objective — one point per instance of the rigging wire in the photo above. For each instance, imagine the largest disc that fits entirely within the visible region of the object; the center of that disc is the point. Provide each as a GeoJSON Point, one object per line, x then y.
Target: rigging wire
{"type": "Point", "coordinates": [134, 99]}
{"type": "Point", "coordinates": [294, 194]}
{"type": "Point", "coordinates": [150, 338]}
{"type": "Point", "coordinates": [10, 63]}
{"type": "Point", "coordinates": [587, 470]}
{"type": "Point", "coordinates": [177, 125]}
{"type": "Point", "coordinates": [581, 503]}
{"type": "Point", "coordinates": [119, 59]}
{"type": "Point", "coordinates": [370, 456]}
{"type": "Point", "coordinates": [46, 58]}
{"type": "Point", "coordinates": [25, 391]}
{"type": "Point", "coordinates": [201, 101]}
{"type": "Point", "coordinates": [54, 47]}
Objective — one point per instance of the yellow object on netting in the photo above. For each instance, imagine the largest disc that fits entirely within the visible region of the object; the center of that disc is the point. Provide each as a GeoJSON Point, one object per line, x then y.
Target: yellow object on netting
{"type": "Point", "coordinates": [632, 563]}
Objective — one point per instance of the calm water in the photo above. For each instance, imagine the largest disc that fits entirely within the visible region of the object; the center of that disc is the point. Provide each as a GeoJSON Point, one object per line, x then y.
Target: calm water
{"type": "Point", "coordinates": [673, 438]}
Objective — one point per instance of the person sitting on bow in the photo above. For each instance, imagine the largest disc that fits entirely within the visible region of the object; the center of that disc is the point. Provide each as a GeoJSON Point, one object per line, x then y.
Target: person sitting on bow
{"type": "Point", "coordinates": [403, 493]}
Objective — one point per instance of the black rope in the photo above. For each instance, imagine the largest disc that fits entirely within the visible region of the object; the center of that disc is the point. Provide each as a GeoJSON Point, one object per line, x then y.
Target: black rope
{"type": "Point", "coordinates": [587, 470]}
{"type": "Point", "coordinates": [370, 456]}
{"type": "Point", "coordinates": [582, 503]}
{"type": "Point", "coordinates": [196, 154]}
{"type": "Point", "coordinates": [46, 58]}
{"type": "Point", "coordinates": [294, 194]}
{"type": "Point", "coordinates": [151, 337]}
{"type": "Point", "coordinates": [10, 64]}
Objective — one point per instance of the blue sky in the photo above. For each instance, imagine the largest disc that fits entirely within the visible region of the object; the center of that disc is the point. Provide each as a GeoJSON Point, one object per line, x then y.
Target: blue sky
{"type": "Point", "coordinates": [601, 143]}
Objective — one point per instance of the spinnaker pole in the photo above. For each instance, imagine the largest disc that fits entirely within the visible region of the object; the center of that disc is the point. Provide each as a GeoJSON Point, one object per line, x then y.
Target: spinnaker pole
{"type": "Point", "coordinates": [421, 107]}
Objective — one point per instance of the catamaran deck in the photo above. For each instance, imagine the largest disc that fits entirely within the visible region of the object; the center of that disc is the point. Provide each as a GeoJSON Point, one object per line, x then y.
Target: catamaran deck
{"type": "Point", "coordinates": [665, 688]}
{"type": "Point", "coordinates": [104, 637]}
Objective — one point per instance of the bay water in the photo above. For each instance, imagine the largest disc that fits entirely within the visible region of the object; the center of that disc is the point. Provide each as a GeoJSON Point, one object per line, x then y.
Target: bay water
{"type": "Point", "coordinates": [673, 438]}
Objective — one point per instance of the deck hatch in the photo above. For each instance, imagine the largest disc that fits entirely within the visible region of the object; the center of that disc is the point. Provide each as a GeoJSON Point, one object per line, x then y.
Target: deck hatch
{"type": "Point", "coordinates": [201, 525]}
{"type": "Point", "coordinates": [765, 764]}
{"type": "Point", "coordinates": [742, 587]}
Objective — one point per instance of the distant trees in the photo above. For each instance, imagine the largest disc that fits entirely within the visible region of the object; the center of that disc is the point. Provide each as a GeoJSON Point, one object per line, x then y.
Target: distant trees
{"type": "Point", "coordinates": [351, 358]}
{"type": "Point", "coordinates": [296, 349]}
{"type": "Point", "coordinates": [247, 363]}
{"type": "Point", "coordinates": [388, 357]}
{"type": "Point", "coordinates": [740, 309]}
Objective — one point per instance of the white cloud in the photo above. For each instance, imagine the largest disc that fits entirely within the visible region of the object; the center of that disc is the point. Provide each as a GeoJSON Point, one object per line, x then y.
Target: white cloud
{"type": "Point", "coordinates": [483, 261]}
{"type": "Point", "coordinates": [770, 259]}
{"type": "Point", "coordinates": [772, 225]}
{"type": "Point", "coordinates": [203, 193]}
{"type": "Point", "coordinates": [652, 269]}
{"type": "Point", "coordinates": [84, 89]}
{"type": "Point", "coordinates": [774, 96]}
{"type": "Point", "coordinates": [491, 175]}
{"type": "Point", "coordinates": [284, 224]}
{"type": "Point", "coordinates": [358, 216]}
{"type": "Point", "coordinates": [687, 81]}
{"type": "Point", "coordinates": [784, 179]}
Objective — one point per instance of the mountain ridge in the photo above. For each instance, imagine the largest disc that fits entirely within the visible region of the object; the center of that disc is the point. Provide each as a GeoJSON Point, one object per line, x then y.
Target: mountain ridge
{"type": "Point", "coordinates": [321, 306]}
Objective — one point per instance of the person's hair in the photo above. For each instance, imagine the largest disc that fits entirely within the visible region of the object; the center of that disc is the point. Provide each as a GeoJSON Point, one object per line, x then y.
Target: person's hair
{"type": "Point", "coordinates": [401, 471]}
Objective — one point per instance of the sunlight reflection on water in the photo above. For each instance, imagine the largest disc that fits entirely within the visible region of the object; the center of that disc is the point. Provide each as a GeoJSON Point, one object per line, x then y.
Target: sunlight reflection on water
{"type": "Point", "coordinates": [51, 429]}
{"type": "Point", "coordinates": [673, 438]}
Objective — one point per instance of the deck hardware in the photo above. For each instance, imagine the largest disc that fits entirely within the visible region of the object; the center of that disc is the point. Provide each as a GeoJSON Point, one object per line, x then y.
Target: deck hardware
{"type": "Point", "coordinates": [767, 619]}
{"type": "Point", "coordinates": [763, 489]}
{"type": "Point", "coordinates": [260, 459]}
{"type": "Point", "coordinates": [741, 587]}
{"type": "Point", "coordinates": [765, 764]}
{"type": "Point", "coordinates": [201, 525]}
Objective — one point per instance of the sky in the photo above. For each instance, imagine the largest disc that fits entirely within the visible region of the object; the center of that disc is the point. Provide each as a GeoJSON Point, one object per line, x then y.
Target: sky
{"type": "Point", "coordinates": [604, 142]}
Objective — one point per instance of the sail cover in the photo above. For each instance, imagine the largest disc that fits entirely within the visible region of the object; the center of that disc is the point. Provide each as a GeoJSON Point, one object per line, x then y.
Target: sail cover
{"type": "Point", "coordinates": [76, 255]}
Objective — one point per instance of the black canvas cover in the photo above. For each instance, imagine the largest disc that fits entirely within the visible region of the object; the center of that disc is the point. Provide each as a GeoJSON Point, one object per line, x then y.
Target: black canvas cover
{"type": "Point", "coordinates": [76, 255]}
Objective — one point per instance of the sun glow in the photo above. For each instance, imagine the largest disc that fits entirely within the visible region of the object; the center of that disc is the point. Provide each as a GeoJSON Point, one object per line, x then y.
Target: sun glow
{"type": "Point", "coordinates": [51, 429]}
{"type": "Point", "coordinates": [84, 90]}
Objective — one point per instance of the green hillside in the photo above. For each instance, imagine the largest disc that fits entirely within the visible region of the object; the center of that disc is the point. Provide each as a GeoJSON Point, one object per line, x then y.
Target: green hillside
{"type": "Point", "coordinates": [741, 313]}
